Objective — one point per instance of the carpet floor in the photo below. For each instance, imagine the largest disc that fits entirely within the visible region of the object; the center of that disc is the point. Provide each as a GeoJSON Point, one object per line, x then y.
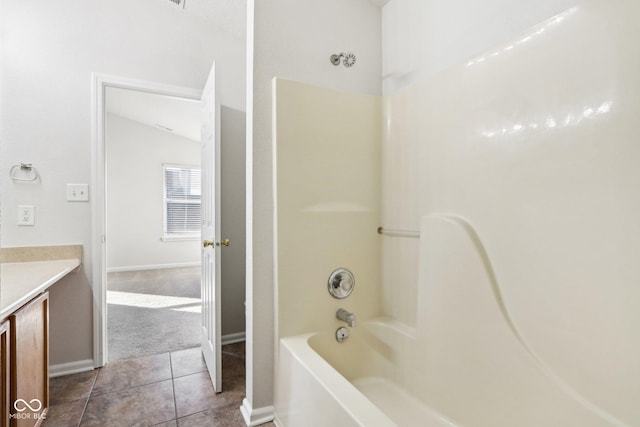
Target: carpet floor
{"type": "Point", "coordinates": [152, 311]}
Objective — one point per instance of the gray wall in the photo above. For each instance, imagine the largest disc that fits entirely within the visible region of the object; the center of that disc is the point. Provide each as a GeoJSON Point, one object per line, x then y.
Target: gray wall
{"type": "Point", "coordinates": [233, 219]}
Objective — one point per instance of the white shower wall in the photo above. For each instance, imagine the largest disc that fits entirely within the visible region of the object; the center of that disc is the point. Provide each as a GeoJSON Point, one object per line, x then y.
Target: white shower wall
{"type": "Point", "coordinates": [326, 180]}
{"type": "Point", "coordinates": [529, 133]}
{"type": "Point", "coordinates": [423, 37]}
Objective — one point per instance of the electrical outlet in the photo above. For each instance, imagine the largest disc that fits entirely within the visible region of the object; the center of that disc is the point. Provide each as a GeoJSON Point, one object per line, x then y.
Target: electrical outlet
{"type": "Point", "coordinates": [77, 192]}
{"type": "Point", "coordinates": [26, 215]}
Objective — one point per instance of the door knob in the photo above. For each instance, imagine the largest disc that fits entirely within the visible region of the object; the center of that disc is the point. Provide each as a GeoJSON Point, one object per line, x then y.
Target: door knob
{"type": "Point", "coordinates": [207, 243]}
{"type": "Point", "coordinates": [225, 242]}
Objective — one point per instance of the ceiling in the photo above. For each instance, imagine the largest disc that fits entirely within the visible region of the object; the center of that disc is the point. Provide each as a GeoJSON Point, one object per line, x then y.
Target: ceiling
{"type": "Point", "coordinates": [179, 116]}
{"type": "Point", "coordinates": [228, 15]}
{"type": "Point", "coordinates": [176, 115]}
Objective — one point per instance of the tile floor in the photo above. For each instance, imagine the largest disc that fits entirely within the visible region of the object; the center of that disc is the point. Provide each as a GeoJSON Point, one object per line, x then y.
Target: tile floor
{"type": "Point", "coordinates": [165, 390]}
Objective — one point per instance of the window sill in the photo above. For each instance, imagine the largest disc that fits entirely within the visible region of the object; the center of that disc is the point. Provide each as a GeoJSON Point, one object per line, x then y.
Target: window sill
{"type": "Point", "coordinates": [180, 238]}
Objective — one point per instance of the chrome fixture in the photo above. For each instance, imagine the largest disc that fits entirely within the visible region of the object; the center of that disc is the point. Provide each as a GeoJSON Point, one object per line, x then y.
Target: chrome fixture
{"type": "Point", "coordinates": [341, 283]}
{"type": "Point", "coordinates": [342, 334]}
{"type": "Point", "coordinates": [24, 172]}
{"type": "Point", "coordinates": [399, 233]}
{"type": "Point", "coordinates": [348, 59]}
{"type": "Point", "coordinates": [345, 316]}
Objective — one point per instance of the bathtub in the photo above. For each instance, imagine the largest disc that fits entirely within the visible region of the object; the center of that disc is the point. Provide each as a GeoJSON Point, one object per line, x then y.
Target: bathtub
{"type": "Point", "coordinates": [464, 362]}
{"type": "Point", "coordinates": [374, 379]}
{"type": "Point", "coordinates": [325, 383]}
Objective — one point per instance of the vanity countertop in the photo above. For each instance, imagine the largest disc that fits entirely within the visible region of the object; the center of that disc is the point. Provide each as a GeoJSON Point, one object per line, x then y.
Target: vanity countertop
{"type": "Point", "coordinates": [21, 281]}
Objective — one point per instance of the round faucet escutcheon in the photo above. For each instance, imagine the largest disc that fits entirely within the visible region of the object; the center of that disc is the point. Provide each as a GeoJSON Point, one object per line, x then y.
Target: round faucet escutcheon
{"type": "Point", "coordinates": [341, 283]}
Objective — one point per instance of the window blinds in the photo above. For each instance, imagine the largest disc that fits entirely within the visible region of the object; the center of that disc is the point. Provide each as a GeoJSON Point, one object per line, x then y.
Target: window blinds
{"type": "Point", "coordinates": [182, 201]}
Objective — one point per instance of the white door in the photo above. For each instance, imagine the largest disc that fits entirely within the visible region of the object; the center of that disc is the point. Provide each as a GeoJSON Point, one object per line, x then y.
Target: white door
{"type": "Point", "coordinates": [210, 282]}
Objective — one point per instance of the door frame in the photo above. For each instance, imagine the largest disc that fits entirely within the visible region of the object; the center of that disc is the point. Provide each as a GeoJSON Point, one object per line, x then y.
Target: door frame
{"type": "Point", "coordinates": [100, 83]}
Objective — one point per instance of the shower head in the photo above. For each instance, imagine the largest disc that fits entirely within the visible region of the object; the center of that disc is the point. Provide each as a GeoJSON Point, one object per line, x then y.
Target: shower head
{"type": "Point", "coordinates": [348, 59]}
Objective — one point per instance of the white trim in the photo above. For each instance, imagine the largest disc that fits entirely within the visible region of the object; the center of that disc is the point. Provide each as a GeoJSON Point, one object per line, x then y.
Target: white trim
{"type": "Point", "coordinates": [100, 82]}
{"type": "Point", "coordinates": [70, 368]}
{"type": "Point", "coordinates": [233, 338]}
{"type": "Point", "coordinates": [175, 238]}
{"type": "Point", "coordinates": [277, 421]}
{"type": "Point", "coordinates": [255, 417]}
{"type": "Point", "coordinates": [249, 317]}
{"type": "Point", "coordinates": [152, 267]}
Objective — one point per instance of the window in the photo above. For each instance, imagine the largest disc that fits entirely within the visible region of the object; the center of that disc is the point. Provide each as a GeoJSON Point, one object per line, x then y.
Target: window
{"type": "Point", "coordinates": [181, 202]}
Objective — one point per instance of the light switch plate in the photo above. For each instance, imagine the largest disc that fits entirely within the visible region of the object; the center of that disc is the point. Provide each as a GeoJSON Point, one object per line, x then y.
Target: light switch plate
{"type": "Point", "coordinates": [77, 192]}
{"type": "Point", "coordinates": [26, 215]}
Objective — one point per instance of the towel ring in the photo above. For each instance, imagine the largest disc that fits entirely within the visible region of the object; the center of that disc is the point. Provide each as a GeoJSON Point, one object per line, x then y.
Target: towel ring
{"type": "Point", "coordinates": [27, 169]}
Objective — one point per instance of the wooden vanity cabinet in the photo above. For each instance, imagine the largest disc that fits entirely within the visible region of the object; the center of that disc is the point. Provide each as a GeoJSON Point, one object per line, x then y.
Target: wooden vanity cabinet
{"type": "Point", "coordinates": [5, 375]}
{"type": "Point", "coordinates": [29, 363]}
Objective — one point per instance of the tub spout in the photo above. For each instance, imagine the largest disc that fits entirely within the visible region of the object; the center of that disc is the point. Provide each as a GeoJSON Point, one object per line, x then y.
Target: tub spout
{"type": "Point", "coordinates": [345, 316]}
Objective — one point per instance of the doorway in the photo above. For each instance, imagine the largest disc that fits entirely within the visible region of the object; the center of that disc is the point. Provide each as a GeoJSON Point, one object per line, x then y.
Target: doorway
{"type": "Point", "coordinates": [152, 153]}
{"type": "Point", "coordinates": [232, 210]}
{"type": "Point", "coordinates": [101, 84]}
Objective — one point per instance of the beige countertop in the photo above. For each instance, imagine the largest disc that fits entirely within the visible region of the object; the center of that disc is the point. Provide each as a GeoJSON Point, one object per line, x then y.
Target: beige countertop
{"type": "Point", "coordinates": [21, 281]}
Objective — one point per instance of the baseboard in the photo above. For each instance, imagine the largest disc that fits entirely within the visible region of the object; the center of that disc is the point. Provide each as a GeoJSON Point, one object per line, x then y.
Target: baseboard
{"type": "Point", "coordinates": [233, 338]}
{"type": "Point", "coordinates": [78, 366]}
{"type": "Point", "coordinates": [255, 417]}
{"type": "Point", "coordinates": [70, 368]}
{"type": "Point", "coordinates": [152, 267]}
{"type": "Point", "coordinates": [277, 421]}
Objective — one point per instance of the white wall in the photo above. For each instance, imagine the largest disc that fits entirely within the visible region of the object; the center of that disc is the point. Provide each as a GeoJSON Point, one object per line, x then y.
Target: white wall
{"type": "Point", "coordinates": [291, 39]}
{"type": "Point", "coordinates": [48, 55]}
{"type": "Point", "coordinates": [532, 140]}
{"type": "Point", "coordinates": [135, 155]}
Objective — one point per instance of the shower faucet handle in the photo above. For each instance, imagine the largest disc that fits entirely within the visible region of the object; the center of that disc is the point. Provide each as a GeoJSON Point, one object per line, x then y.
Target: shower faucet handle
{"type": "Point", "coordinates": [341, 283]}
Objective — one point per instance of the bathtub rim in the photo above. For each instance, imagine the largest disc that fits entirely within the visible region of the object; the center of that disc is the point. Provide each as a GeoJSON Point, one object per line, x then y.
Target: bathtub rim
{"type": "Point", "coordinates": [356, 404]}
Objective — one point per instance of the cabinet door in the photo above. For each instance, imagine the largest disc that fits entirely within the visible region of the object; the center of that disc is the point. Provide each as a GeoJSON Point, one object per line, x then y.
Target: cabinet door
{"type": "Point", "coordinates": [4, 374]}
{"type": "Point", "coordinates": [30, 363]}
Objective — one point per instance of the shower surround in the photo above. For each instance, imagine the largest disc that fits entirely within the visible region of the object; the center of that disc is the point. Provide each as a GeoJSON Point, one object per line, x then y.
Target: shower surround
{"type": "Point", "coordinates": [530, 147]}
